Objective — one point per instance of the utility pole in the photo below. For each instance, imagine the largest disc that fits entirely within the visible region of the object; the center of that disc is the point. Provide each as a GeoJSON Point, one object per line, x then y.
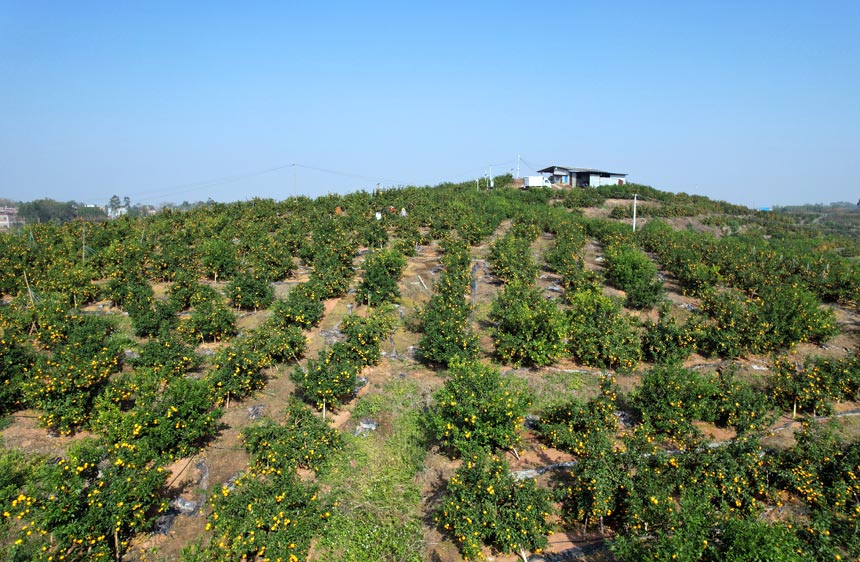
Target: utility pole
{"type": "Point", "coordinates": [634, 211]}
{"type": "Point", "coordinates": [518, 166]}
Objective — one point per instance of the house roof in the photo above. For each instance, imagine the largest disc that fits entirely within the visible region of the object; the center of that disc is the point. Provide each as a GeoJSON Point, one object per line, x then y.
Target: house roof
{"type": "Point", "coordinates": [552, 170]}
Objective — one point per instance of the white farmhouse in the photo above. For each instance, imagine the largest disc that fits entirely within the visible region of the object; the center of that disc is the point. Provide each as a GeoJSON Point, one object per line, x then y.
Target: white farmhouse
{"type": "Point", "coordinates": [582, 177]}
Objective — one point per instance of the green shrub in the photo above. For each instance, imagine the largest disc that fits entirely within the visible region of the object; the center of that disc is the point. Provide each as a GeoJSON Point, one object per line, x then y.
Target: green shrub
{"type": "Point", "coordinates": [303, 307]}
{"type": "Point", "coordinates": [778, 318]}
{"type": "Point", "coordinates": [237, 371]}
{"type": "Point", "coordinates": [273, 516]}
{"type": "Point", "coordinates": [382, 270]}
{"type": "Point", "coordinates": [16, 360]}
{"type": "Point", "coordinates": [365, 334]}
{"type": "Point", "coordinates": [278, 345]}
{"type": "Point", "coordinates": [820, 471]}
{"type": "Point", "coordinates": [671, 398]}
{"type": "Point", "coordinates": [815, 385]}
{"type": "Point", "coordinates": [511, 259]}
{"type": "Point", "coordinates": [86, 506]}
{"type": "Point", "coordinates": [528, 328]}
{"type": "Point", "coordinates": [183, 290]}
{"type": "Point", "coordinates": [447, 332]}
{"type": "Point", "coordinates": [665, 341]}
{"type": "Point", "coordinates": [157, 318]}
{"type": "Point", "coordinates": [164, 423]}
{"type": "Point", "coordinates": [218, 258]}
{"type": "Point", "coordinates": [484, 505]}
{"type": "Point", "coordinates": [631, 270]}
{"type": "Point", "coordinates": [65, 386]}
{"type": "Point", "coordinates": [248, 291]}
{"type": "Point", "coordinates": [168, 357]}
{"type": "Point", "coordinates": [333, 270]}
{"type": "Point", "coordinates": [599, 335]}
{"type": "Point", "coordinates": [300, 440]}
{"type": "Point", "coordinates": [330, 379]}
{"type": "Point", "coordinates": [209, 321]}
{"type": "Point", "coordinates": [477, 408]}
{"type": "Point", "coordinates": [583, 429]}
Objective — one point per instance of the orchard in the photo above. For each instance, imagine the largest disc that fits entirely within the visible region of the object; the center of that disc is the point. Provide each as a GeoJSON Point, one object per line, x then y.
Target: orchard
{"type": "Point", "coordinates": [464, 378]}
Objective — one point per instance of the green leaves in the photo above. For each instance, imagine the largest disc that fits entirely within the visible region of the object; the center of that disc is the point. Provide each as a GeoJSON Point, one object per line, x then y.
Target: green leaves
{"type": "Point", "coordinates": [330, 379]}
{"type": "Point", "coordinates": [447, 332]}
{"type": "Point", "coordinates": [301, 440]}
{"type": "Point", "coordinates": [237, 371]}
{"type": "Point", "coordinates": [303, 307]}
{"type": "Point", "coordinates": [382, 270]}
{"type": "Point", "coordinates": [599, 335]}
{"type": "Point", "coordinates": [249, 291]}
{"type": "Point", "coordinates": [779, 317]}
{"type": "Point", "coordinates": [511, 259]}
{"type": "Point", "coordinates": [528, 328]}
{"type": "Point", "coordinates": [477, 409]}
{"type": "Point", "coordinates": [272, 516]}
{"type": "Point", "coordinates": [218, 258]}
{"type": "Point", "coordinates": [485, 505]}
{"type": "Point", "coordinates": [88, 505]}
{"type": "Point", "coordinates": [631, 270]}
{"type": "Point", "coordinates": [162, 422]}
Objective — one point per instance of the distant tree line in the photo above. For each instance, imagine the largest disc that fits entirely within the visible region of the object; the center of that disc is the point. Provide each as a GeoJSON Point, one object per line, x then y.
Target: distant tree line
{"type": "Point", "coordinates": [817, 207]}
{"type": "Point", "coordinates": [58, 212]}
{"type": "Point", "coordinates": [48, 210]}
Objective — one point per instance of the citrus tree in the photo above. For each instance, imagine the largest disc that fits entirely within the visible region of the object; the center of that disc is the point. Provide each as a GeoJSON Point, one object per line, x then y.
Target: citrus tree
{"type": "Point", "coordinates": [485, 505]}
{"type": "Point", "coordinates": [270, 516]}
{"type": "Point", "coordinates": [446, 331]}
{"type": "Point", "coordinates": [478, 408]}
{"type": "Point", "coordinates": [528, 328]}
{"type": "Point", "coordinates": [250, 291]}
{"type": "Point", "coordinates": [382, 270]}
{"type": "Point", "coordinates": [599, 335]}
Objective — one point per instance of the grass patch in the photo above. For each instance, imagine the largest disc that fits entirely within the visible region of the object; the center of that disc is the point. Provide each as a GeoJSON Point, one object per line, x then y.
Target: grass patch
{"type": "Point", "coordinates": [554, 388]}
{"type": "Point", "coordinates": [373, 482]}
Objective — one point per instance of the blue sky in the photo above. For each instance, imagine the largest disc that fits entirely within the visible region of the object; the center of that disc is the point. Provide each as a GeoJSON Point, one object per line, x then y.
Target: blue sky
{"type": "Point", "coordinates": [754, 102]}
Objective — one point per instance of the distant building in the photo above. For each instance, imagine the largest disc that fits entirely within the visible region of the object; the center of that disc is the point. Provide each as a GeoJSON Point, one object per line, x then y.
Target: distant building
{"type": "Point", "coordinates": [582, 177]}
{"type": "Point", "coordinates": [115, 213]}
{"type": "Point", "coordinates": [9, 217]}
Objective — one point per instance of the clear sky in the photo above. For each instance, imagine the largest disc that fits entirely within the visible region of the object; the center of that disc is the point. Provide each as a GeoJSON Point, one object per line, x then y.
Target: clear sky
{"type": "Point", "coordinates": [754, 102]}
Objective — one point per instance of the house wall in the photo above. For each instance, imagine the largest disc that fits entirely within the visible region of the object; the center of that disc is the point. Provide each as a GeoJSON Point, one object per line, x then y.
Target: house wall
{"type": "Point", "coordinates": [596, 181]}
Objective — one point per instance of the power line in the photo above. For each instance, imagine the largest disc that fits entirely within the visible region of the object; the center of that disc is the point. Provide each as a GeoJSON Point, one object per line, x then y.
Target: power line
{"type": "Point", "coordinates": [215, 182]}
{"type": "Point", "coordinates": [195, 186]}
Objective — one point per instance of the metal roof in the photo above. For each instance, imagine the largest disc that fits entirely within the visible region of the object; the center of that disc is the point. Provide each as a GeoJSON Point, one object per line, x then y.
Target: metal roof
{"type": "Point", "coordinates": [552, 169]}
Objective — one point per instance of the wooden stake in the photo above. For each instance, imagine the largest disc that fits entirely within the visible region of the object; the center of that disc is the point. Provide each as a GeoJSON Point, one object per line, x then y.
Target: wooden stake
{"type": "Point", "coordinates": [29, 290]}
